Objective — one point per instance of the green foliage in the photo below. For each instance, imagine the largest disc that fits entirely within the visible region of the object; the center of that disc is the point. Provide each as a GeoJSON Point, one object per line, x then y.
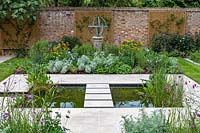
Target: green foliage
{"type": "Point", "coordinates": [138, 70]}
{"type": "Point", "coordinates": [85, 64]}
{"type": "Point", "coordinates": [124, 3]}
{"type": "Point", "coordinates": [21, 15]}
{"type": "Point", "coordinates": [195, 57]}
{"type": "Point", "coordinates": [154, 123]}
{"type": "Point", "coordinates": [169, 42]}
{"type": "Point", "coordinates": [189, 69]}
{"type": "Point", "coordinates": [37, 78]}
{"type": "Point", "coordinates": [59, 66]}
{"type": "Point", "coordinates": [111, 49]}
{"type": "Point", "coordinates": [9, 67]}
{"type": "Point", "coordinates": [38, 51]}
{"type": "Point", "coordinates": [162, 91]}
{"type": "Point", "coordinates": [85, 49]}
{"type": "Point", "coordinates": [157, 61]}
{"type": "Point", "coordinates": [73, 41]}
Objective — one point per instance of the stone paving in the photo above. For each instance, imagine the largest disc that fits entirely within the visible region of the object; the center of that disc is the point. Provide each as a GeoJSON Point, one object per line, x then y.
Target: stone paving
{"type": "Point", "coordinates": [5, 58]}
{"type": "Point", "coordinates": [96, 120]}
{"type": "Point", "coordinates": [192, 61]}
{"type": "Point", "coordinates": [98, 96]}
{"type": "Point", "coordinates": [14, 83]}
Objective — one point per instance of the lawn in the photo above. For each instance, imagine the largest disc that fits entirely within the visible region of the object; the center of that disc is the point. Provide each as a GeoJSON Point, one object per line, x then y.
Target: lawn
{"type": "Point", "coordinates": [189, 69]}
{"type": "Point", "coordinates": [8, 67]}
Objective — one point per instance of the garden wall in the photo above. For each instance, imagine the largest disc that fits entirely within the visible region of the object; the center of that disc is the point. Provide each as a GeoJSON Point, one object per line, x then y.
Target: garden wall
{"type": "Point", "coordinates": [124, 23]}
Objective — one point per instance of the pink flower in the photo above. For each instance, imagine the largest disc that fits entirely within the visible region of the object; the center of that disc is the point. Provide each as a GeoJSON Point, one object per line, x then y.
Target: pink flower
{"type": "Point", "coordinates": [198, 114]}
{"type": "Point", "coordinates": [29, 96]}
{"type": "Point", "coordinates": [5, 115]}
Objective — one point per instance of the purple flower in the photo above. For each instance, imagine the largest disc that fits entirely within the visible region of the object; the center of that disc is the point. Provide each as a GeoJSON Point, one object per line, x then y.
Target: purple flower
{"type": "Point", "coordinates": [4, 83]}
{"type": "Point", "coordinates": [22, 108]}
{"type": "Point", "coordinates": [5, 115]}
{"type": "Point", "coordinates": [29, 96]}
{"type": "Point", "coordinates": [194, 85]}
{"type": "Point", "coordinates": [193, 126]}
{"type": "Point", "coordinates": [42, 121]}
{"type": "Point", "coordinates": [198, 114]}
{"type": "Point", "coordinates": [13, 97]}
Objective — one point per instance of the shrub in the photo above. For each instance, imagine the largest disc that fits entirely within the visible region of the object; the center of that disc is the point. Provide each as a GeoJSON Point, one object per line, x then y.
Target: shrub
{"type": "Point", "coordinates": [111, 49]}
{"type": "Point", "coordinates": [59, 66]}
{"type": "Point", "coordinates": [170, 42]}
{"type": "Point", "coordinates": [163, 91]}
{"type": "Point", "coordinates": [85, 49]}
{"type": "Point", "coordinates": [195, 57]}
{"type": "Point", "coordinates": [157, 61]}
{"type": "Point", "coordinates": [131, 44]}
{"type": "Point", "coordinates": [38, 51]}
{"type": "Point", "coordinates": [73, 41]}
{"type": "Point", "coordinates": [131, 53]}
{"type": "Point", "coordinates": [154, 123]}
{"type": "Point", "coordinates": [138, 70]}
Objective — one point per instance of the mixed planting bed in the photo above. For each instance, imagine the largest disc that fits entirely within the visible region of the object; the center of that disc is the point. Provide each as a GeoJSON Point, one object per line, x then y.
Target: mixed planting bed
{"type": "Point", "coordinates": [69, 56]}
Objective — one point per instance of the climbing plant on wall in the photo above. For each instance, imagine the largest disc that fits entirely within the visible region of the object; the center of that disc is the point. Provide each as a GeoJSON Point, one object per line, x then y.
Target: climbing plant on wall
{"type": "Point", "coordinates": [20, 16]}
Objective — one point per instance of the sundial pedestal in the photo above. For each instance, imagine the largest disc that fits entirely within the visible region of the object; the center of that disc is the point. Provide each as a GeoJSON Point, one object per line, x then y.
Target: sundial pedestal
{"type": "Point", "coordinates": [97, 42]}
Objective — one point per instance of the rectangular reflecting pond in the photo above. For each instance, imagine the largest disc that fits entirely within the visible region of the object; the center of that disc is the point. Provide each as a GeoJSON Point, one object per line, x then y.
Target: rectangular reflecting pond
{"type": "Point", "coordinates": [127, 96]}
{"type": "Point", "coordinates": [69, 96]}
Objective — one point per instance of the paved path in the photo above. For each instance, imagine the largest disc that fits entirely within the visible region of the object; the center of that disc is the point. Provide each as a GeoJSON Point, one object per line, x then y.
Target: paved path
{"type": "Point", "coordinates": [98, 96]}
{"type": "Point", "coordinates": [5, 58]}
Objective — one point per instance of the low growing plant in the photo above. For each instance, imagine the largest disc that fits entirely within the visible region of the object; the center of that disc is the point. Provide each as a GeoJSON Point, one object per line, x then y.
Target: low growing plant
{"type": "Point", "coordinates": [195, 57]}
{"type": "Point", "coordinates": [163, 91]}
{"type": "Point", "coordinates": [154, 123]}
{"type": "Point", "coordinates": [38, 51]}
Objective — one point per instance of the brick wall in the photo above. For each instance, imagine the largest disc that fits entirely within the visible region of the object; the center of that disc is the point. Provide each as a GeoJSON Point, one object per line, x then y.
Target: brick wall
{"type": "Point", "coordinates": [193, 21]}
{"type": "Point", "coordinates": [127, 23]}
{"type": "Point", "coordinates": [53, 24]}
{"type": "Point", "coordinates": [130, 25]}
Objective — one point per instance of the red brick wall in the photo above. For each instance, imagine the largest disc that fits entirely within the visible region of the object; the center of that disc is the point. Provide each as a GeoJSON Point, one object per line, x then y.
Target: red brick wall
{"type": "Point", "coordinates": [128, 23]}
{"type": "Point", "coordinates": [55, 24]}
{"type": "Point", "coordinates": [193, 21]}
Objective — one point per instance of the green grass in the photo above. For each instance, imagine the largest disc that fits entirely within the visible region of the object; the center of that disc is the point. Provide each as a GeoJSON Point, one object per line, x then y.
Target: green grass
{"type": "Point", "coordinates": [189, 69]}
{"type": "Point", "coordinates": [8, 67]}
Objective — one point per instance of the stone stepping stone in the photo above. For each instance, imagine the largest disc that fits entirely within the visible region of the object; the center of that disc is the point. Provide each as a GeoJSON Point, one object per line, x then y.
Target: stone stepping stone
{"type": "Point", "coordinates": [98, 96]}
{"type": "Point", "coordinates": [98, 104]}
{"type": "Point", "coordinates": [97, 86]}
{"type": "Point", "coordinates": [97, 91]}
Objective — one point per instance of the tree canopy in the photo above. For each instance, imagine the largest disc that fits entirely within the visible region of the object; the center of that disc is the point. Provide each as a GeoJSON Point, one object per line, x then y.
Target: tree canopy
{"type": "Point", "coordinates": [124, 3]}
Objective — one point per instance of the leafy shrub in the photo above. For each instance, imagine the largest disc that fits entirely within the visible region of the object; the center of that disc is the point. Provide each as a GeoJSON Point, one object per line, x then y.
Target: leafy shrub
{"type": "Point", "coordinates": [127, 56]}
{"type": "Point", "coordinates": [154, 123]}
{"type": "Point", "coordinates": [85, 49]}
{"type": "Point", "coordinates": [131, 53]}
{"type": "Point", "coordinates": [157, 61]}
{"type": "Point", "coordinates": [85, 64]}
{"type": "Point", "coordinates": [138, 70]}
{"type": "Point", "coordinates": [111, 49]}
{"type": "Point", "coordinates": [162, 91]}
{"type": "Point", "coordinates": [38, 51]}
{"type": "Point", "coordinates": [195, 57]}
{"type": "Point", "coordinates": [73, 41]}
{"type": "Point", "coordinates": [141, 59]}
{"type": "Point", "coordinates": [59, 66]}
{"type": "Point", "coordinates": [131, 44]}
{"type": "Point", "coordinates": [170, 42]}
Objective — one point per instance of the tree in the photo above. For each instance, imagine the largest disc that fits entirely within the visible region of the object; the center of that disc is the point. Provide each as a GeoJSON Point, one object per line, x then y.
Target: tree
{"type": "Point", "coordinates": [21, 16]}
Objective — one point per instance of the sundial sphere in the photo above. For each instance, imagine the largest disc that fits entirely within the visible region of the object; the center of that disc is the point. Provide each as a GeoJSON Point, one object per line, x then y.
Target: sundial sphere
{"type": "Point", "coordinates": [99, 24]}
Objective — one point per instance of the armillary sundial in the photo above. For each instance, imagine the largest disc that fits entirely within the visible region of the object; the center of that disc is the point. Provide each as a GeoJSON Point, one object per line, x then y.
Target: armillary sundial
{"type": "Point", "coordinates": [99, 24]}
